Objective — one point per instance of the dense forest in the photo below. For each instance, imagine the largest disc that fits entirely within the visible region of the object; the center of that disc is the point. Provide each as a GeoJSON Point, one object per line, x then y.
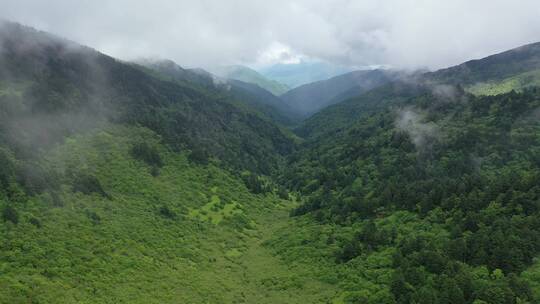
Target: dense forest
{"type": "Point", "coordinates": [145, 182]}
{"type": "Point", "coordinates": [469, 164]}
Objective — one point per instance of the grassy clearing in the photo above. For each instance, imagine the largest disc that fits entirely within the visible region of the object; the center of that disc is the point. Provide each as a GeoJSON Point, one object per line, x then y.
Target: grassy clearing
{"type": "Point", "coordinates": [216, 210]}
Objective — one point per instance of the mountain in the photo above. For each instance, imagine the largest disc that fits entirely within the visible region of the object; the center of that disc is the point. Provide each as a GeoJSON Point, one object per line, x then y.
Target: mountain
{"type": "Point", "coordinates": [245, 74]}
{"type": "Point", "coordinates": [243, 94]}
{"type": "Point", "coordinates": [515, 69]}
{"type": "Point", "coordinates": [310, 98]}
{"type": "Point", "coordinates": [500, 73]}
{"type": "Point", "coordinates": [297, 74]}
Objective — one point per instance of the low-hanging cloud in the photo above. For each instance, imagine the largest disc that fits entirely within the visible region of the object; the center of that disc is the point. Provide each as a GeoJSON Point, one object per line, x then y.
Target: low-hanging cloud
{"type": "Point", "coordinates": [422, 134]}
{"type": "Point", "coordinates": [402, 33]}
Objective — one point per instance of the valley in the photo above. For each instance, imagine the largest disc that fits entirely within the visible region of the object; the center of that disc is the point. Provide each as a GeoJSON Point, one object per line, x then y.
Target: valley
{"type": "Point", "coordinates": [147, 182]}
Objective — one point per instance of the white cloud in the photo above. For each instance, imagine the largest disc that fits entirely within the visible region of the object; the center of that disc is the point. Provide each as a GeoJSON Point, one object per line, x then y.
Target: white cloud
{"type": "Point", "coordinates": [278, 53]}
{"type": "Point", "coordinates": [406, 33]}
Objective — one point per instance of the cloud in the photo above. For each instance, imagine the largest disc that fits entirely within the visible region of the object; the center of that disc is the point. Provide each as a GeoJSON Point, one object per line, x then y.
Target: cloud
{"type": "Point", "coordinates": [278, 52]}
{"type": "Point", "coordinates": [402, 33]}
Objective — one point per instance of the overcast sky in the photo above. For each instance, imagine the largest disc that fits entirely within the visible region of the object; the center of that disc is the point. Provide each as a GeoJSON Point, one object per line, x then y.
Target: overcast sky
{"type": "Point", "coordinates": [400, 33]}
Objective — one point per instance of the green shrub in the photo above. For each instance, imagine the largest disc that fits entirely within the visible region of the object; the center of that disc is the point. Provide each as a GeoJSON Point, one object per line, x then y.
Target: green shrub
{"type": "Point", "coordinates": [147, 154]}
{"type": "Point", "coordinates": [10, 214]}
{"type": "Point", "coordinates": [166, 212]}
{"type": "Point", "coordinates": [35, 179]}
{"type": "Point", "coordinates": [253, 183]}
{"type": "Point", "coordinates": [199, 156]}
{"type": "Point", "coordinates": [88, 184]}
{"type": "Point", "coordinates": [6, 169]}
{"type": "Point", "coordinates": [34, 221]}
{"type": "Point", "coordinates": [93, 216]}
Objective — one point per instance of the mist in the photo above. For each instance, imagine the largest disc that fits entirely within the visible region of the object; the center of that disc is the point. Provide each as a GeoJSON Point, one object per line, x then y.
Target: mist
{"type": "Point", "coordinates": [38, 111]}
{"type": "Point", "coordinates": [422, 134]}
{"type": "Point", "coordinates": [404, 34]}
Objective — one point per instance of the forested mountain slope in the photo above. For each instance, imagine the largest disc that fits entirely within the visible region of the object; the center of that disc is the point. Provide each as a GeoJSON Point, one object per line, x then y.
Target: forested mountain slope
{"type": "Point", "coordinates": [469, 164]}
{"type": "Point", "coordinates": [61, 87]}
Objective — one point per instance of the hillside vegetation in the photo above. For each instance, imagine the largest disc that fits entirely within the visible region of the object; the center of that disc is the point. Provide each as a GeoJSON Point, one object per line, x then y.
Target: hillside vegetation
{"type": "Point", "coordinates": [466, 164]}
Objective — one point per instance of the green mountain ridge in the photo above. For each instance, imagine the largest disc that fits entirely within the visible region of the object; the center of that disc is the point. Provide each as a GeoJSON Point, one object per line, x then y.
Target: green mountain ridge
{"type": "Point", "coordinates": [498, 68]}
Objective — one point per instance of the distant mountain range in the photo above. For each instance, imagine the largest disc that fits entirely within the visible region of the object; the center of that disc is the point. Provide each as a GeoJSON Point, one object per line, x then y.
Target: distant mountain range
{"type": "Point", "coordinates": [310, 98]}
{"type": "Point", "coordinates": [245, 74]}
{"type": "Point", "coordinates": [297, 74]}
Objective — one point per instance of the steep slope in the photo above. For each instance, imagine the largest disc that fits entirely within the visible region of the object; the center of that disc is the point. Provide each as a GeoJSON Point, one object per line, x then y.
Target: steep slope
{"type": "Point", "coordinates": [245, 74]}
{"type": "Point", "coordinates": [52, 87]}
{"type": "Point", "coordinates": [310, 98]}
{"type": "Point", "coordinates": [516, 83]}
